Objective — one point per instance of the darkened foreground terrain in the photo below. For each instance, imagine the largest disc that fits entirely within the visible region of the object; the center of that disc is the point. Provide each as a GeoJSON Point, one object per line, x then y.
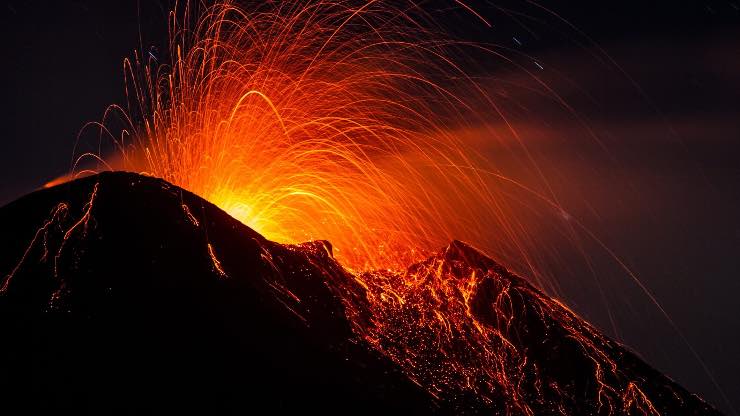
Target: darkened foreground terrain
{"type": "Point", "coordinates": [122, 293]}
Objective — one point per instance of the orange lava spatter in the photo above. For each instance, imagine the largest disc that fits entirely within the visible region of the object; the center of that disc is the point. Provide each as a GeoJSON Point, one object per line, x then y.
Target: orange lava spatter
{"type": "Point", "coordinates": [330, 120]}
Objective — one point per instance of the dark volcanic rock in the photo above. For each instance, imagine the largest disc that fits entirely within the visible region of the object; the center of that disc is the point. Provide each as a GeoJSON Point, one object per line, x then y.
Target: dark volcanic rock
{"type": "Point", "coordinates": [136, 317]}
{"type": "Point", "coordinates": [125, 294]}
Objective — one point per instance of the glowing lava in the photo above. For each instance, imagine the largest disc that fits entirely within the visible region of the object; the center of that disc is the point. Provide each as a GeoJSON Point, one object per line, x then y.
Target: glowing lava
{"type": "Point", "coordinates": [477, 338]}
{"type": "Point", "coordinates": [319, 120]}
{"type": "Point", "coordinates": [336, 120]}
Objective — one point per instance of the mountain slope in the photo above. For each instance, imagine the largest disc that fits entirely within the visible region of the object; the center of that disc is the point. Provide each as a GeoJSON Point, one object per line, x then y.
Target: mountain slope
{"type": "Point", "coordinates": [122, 293]}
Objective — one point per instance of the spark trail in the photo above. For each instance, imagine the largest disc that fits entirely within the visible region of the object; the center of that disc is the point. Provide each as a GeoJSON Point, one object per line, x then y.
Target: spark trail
{"type": "Point", "coordinates": [330, 120]}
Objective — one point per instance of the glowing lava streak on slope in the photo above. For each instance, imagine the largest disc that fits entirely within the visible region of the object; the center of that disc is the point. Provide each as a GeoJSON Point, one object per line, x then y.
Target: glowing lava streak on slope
{"type": "Point", "coordinates": [320, 120]}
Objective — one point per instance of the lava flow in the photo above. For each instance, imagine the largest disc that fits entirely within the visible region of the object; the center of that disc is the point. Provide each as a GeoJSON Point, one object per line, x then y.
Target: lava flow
{"type": "Point", "coordinates": [154, 298]}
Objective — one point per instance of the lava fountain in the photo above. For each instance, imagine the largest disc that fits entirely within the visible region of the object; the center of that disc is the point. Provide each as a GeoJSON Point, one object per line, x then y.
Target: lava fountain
{"type": "Point", "coordinates": [330, 120]}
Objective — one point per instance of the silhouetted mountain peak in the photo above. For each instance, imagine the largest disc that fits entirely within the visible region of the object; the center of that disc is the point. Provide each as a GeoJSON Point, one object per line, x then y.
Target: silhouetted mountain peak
{"type": "Point", "coordinates": [123, 293]}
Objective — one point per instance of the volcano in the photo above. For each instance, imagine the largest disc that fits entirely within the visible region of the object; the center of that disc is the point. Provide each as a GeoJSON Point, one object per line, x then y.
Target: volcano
{"type": "Point", "coordinates": [125, 294]}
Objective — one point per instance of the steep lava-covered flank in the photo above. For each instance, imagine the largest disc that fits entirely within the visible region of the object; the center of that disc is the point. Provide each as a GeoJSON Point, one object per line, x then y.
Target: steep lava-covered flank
{"type": "Point", "coordinates": [478, 336]}
{"type": "Point", "coordinates": [124, 293]}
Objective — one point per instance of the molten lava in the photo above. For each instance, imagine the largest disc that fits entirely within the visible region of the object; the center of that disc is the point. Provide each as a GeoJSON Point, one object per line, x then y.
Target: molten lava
{"type": "Point", "coordinates": [226, 307]}
{"type": "Point", "coordinates": [321, 120]}
{"type": "Point", "coordinates": [336, 120]}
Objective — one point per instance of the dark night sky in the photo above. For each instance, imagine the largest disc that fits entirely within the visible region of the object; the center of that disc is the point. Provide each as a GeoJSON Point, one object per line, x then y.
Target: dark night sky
{"type": "Point", "coordinates": [667, 109]}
